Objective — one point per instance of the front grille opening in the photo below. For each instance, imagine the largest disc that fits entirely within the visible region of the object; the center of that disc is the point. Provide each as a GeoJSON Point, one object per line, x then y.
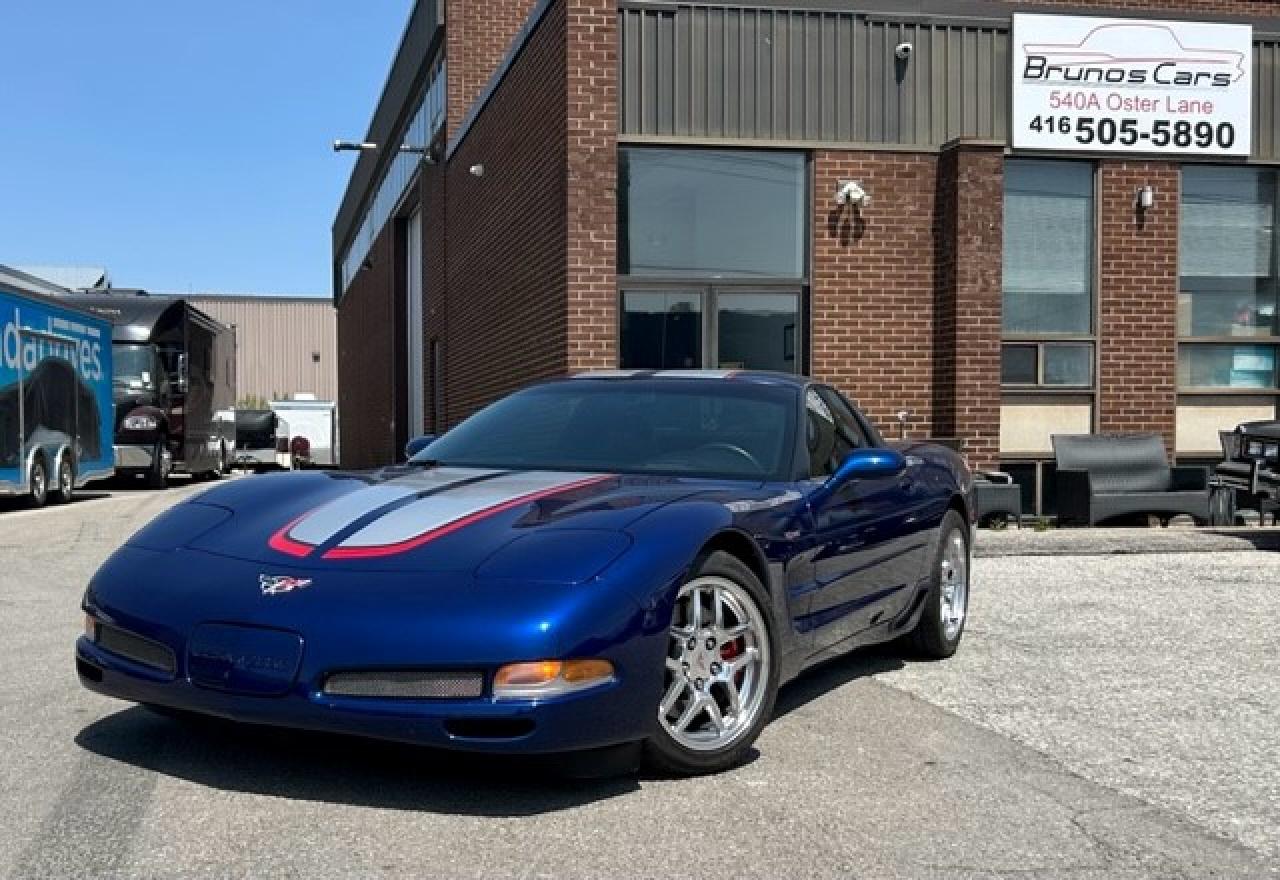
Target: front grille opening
{"type": "Point", "coordinates": [489, 728]}
{"type": "Point", "coordinates": [406, 684]}
{"type": "Point", "coordinates": [142, 651]}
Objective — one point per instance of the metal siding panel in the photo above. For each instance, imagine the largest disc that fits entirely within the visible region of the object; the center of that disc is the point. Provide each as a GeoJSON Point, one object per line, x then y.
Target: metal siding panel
{"type": "Point", "coordinates": [716, 73]}
{"type": "Point", "coordinates": [1000, 72]}
{"type": "Point", "coordinates": [631, 70]}
{"type": "Point", "coordinates": [823, 76]}
{"type": "Point", "coordinates": [1266, 137]}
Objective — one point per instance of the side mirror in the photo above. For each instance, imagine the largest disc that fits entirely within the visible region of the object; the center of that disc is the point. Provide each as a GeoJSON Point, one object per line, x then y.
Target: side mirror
{"type": "Point", "coordinates": [417, 444]}
{"type": "Point", "coordinates": [863, 464]}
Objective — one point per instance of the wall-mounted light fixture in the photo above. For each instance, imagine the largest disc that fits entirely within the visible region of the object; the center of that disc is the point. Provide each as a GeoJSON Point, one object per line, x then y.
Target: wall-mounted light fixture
{"type": "Point", "coordinates": [852, 193]}
{"type": "Point", "coordinates": [1145, 198]}
{"type": "Point", "coordinates": [477, 170]}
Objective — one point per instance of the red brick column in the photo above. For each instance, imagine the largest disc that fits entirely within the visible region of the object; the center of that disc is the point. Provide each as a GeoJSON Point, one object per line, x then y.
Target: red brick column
{"type": "Point", "coordinates": [592, 64]}
{"type": "Point", "coordinates": [872, 287]}
{"type": "Point", "coordinates": [969, 298]}
{"type": "Point", "coordinates": [477, 35]}
{"type": "Point", "coordinates": [1138, 301]}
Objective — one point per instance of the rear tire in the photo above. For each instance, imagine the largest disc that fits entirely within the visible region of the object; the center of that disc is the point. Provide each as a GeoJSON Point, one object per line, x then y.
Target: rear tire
{"type": "Point", "coordinates": [720, 676]}
{"type": "Point", "coordinates": [946, 605]}
{"type": "Point", "coordinates": [66, 486]}
{"type": "Point", "coordinates": [38, 483]}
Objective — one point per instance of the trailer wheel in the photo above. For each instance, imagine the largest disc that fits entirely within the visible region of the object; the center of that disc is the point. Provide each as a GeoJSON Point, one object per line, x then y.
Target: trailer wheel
{"type": "Point", "coordinates": [66, 486]}
{"type": "Point", "coordinates": [38, 484]}
{"type": "Point", "coordinates": [161, 465]}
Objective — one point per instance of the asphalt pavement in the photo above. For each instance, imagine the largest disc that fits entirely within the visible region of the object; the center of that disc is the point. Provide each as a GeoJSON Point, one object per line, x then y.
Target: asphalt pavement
{"type": "Point", "coordinates": [1106, 717]}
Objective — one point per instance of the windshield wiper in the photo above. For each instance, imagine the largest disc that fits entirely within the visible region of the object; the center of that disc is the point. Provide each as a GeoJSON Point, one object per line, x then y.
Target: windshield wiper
{"type": "Point", "coordinates": [424, 462]}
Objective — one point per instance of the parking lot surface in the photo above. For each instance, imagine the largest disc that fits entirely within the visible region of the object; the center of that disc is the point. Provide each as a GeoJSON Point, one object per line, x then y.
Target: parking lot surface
{"type": "Point", "coordinates": [1106, 717]}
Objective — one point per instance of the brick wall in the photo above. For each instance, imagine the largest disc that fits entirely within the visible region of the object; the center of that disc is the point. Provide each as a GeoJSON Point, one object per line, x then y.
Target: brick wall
{"type": "Point", "coordinates": [477, 35]}
{"type": "Point", "coordinates": [592, 102]}
{"type": "Point", "coordinates": [366, 324]}
{"type": "Point", "coordinates": [1250, 8]}
{"type": "Point", "coordinates": [967, 304]}
{"type": "Point", "coordinates": [1137, 320]}
{"type": "Point", "coordinates": [505, 234]}
{"type": "Point", "coordinates": [872, 290]}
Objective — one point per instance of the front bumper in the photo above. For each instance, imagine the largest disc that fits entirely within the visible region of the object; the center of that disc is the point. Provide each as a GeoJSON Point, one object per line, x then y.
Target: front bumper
{"type": "Point", "coordinates": [131, 457]}
{"type": "Point", "coordinates": [604, 716]}
{"type": "Point", "coordinates": [365, 621]}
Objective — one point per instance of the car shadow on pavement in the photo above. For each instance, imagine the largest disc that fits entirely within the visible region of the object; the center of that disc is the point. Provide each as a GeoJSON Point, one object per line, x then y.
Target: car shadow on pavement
{"type": "Point", "coordinates": [331, 768]}
{"type": "Point", "coordinates": [829, 676]}
{"type": "Point", "coordinates": [337, 769]}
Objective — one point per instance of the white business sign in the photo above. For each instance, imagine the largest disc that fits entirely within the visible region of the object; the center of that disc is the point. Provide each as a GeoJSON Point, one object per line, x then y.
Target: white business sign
{"type": "Point", "coordinates": [1132, 86]}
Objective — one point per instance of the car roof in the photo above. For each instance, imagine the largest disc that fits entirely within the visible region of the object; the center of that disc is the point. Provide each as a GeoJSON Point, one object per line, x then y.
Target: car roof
{"type": "Point", "coordinates": [757, 377]}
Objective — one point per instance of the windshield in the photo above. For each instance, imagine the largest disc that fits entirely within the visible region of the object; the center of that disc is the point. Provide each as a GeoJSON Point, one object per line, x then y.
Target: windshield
{"type": "Point", "coordinates": [134, 366]}
{"type": "Point", "coordinates": [700, 428]}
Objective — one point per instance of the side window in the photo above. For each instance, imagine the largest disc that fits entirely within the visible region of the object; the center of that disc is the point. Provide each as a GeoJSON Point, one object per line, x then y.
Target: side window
{"type": "Point", "coordinates": [847, 422]}
{"type": "Point", "coordinates": [827, 445]}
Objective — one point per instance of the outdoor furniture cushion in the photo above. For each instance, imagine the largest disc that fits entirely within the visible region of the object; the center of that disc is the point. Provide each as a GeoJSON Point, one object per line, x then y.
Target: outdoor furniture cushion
{"type": "Point", "coordinates": [1103, 477]}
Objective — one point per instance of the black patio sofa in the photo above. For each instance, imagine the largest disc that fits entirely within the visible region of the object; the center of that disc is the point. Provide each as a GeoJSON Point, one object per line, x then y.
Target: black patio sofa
{"type": "Point", "coordinates": [1104, 477]}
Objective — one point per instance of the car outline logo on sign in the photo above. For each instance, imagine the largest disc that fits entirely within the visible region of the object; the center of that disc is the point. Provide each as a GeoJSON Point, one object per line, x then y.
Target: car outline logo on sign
{"type": "Point", "coordinates": [279, 584]}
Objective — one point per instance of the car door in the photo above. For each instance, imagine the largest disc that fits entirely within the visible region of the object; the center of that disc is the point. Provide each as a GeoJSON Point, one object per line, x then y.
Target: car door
{"type": "Point", "coordinates": [863, 547]}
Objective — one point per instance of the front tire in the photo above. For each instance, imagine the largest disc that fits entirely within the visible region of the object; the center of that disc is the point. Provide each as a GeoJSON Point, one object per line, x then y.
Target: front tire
{"type": "Point", "coordinates": [721, 670]}
{"type": "Point", "coordinates": [161, 465]}
{"type": "Point", "coordinates": [946, 605]}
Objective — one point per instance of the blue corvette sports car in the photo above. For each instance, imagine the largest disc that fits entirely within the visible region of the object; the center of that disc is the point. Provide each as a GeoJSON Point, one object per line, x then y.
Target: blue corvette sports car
{"type": "Point", "coordinates": [616, 558]}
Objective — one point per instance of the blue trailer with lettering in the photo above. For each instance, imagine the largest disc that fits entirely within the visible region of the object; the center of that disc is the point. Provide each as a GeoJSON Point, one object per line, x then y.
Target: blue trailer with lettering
{"type": "Point", "coordinates": [56, 414]}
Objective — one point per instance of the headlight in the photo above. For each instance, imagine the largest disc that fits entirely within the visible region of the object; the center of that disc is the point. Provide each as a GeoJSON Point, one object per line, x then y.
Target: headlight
{"type": "Point", "coordinates": [549, 678]}
{"type": "Point", "coordinates": [140, 423]}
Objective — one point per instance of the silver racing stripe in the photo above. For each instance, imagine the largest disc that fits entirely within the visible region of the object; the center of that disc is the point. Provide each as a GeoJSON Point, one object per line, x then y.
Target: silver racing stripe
{"type": "Point", "coordinates": [445, 508]}
{"type": "Point", "coordinates": [326, 521]}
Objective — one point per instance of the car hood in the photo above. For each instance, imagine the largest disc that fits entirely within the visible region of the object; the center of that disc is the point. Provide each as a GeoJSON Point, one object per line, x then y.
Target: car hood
{"type": "Point", "coordinates": [532, 524]}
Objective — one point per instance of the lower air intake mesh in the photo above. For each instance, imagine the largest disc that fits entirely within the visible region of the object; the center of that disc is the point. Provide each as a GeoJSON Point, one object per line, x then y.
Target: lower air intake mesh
{"type": "Point", "coordinates": [406, 684]}
{"type": "Point", "coordinates": [135, 648]}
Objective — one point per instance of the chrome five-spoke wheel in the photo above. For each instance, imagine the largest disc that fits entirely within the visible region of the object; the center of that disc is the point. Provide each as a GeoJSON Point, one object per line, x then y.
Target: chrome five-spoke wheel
{"type": "Point", "coordinates": [954, 585]}
{"type": "Point", "coordinates": [717, 665]}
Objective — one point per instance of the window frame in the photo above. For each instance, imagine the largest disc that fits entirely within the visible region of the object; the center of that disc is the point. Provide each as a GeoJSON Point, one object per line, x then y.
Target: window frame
{"type": "Point", "coordinates": [1041, 340]}
{"type": "Point", "coordinates": [1272, 340]}
{"type": "Point", "coordinates": [709, 298]}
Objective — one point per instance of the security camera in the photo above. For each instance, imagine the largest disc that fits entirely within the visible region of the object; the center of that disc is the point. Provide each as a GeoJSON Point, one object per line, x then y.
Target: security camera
{"type": "Point", "coordinates": [903, 51]}
{"type": "Point", "coordinates": [852, 193]}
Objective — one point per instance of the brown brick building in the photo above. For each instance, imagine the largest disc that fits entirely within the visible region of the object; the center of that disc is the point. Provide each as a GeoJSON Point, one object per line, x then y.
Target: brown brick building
{"type": "Point", "coordinates": [844, 189]}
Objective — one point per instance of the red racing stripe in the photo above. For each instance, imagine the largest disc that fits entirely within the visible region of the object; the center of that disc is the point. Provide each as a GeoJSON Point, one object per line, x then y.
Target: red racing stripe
{"type": "Point", "coordinates": [282, 543]}
{"type": "Point", "coordinates": [377, 551]}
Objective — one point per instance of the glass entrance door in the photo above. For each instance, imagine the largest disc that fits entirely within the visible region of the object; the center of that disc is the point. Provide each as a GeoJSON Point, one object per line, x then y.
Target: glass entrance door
{"type": "Point", "coordinates": [730, 328]}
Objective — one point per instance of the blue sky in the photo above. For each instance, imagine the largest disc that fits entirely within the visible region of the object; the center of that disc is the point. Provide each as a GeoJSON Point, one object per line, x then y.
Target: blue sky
{"type": "Point", "coordinates": [185, 145]}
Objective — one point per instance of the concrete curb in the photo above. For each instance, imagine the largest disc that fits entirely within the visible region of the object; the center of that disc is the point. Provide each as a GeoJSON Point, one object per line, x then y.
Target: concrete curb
{"type": "Point", "coordinates": [1110, 542]}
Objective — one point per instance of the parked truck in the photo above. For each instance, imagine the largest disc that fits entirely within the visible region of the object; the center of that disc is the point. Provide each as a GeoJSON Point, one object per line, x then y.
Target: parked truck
{"type": "Point", "coordinates": [55, 395]}
{"type": "Point", "coordinates": [174, 376]}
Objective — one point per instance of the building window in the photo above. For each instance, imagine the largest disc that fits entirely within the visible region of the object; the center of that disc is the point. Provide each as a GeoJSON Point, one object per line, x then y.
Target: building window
{"type": "Point", "coordinates": [1048, 247]}
{"type": "Point", "coordinates": [712, 250]}
{"type": "Point", "coordinates": [1047, 365]}
{"type": "Point", "coordinates": [1227, 285]}
{"type": "Point", "coordinates": [711, 213]}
